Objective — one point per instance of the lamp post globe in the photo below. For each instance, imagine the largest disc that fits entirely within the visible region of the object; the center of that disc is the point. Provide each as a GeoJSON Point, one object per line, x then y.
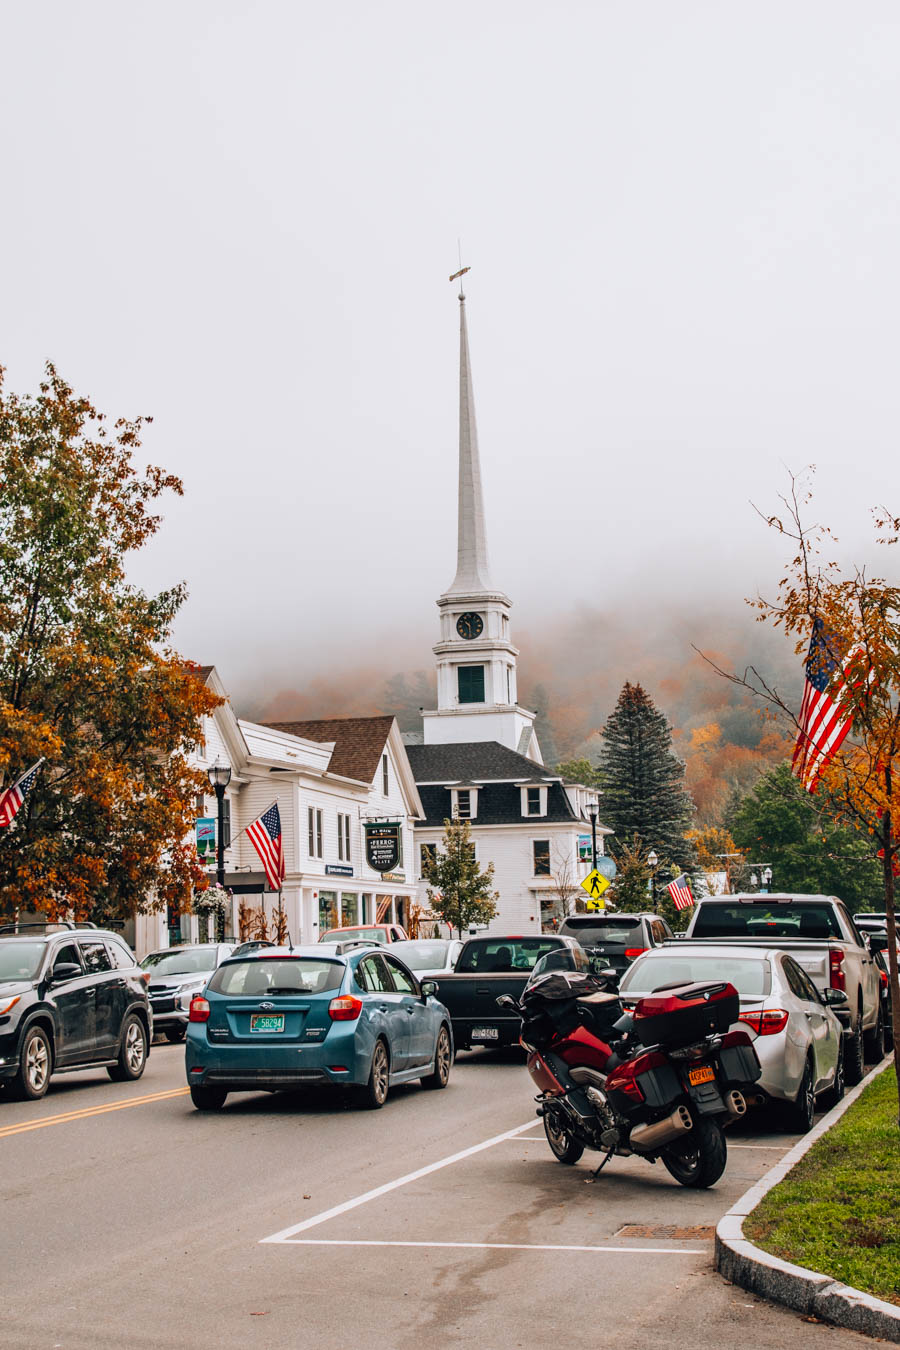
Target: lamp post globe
{"type": "Point", "coordinates": [219, 776]}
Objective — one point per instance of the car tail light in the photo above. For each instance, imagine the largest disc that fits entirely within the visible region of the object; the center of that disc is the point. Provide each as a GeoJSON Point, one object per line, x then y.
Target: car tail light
{"type": "Point", "coordinates": [631, 953]}
{"type": "Point", "coordinates": [882, 975]}
{"type": "Point", "coordinates": [345, 1009]}
{"type": "Point", "coordinates": [767, 1023]}
{"type": "Point", "coordinates": [199, 1009]}
{"type": "Point", "coordinates": [837, 978]}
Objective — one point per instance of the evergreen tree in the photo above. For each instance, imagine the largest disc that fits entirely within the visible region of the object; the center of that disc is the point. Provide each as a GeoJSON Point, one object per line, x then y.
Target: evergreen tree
{"type": "Point", "coordinates": [643, 792]}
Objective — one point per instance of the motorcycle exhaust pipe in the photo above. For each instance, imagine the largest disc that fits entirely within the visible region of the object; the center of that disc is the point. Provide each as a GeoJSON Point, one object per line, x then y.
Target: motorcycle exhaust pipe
{"type": "Point", "coordinates": [649, 1137]}
{"type": "Point", "coordinates": [736, 1103]}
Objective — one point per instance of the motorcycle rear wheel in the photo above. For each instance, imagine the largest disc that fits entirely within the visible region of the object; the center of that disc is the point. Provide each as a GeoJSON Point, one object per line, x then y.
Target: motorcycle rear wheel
{"type": "Point", "coordinates": [565, 1148]}
{"type": "Point", "coordinates": [698, 1159]}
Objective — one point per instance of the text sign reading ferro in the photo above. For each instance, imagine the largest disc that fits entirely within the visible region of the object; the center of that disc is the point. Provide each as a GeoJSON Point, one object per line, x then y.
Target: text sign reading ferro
{"type": "Point", "coordinates": [383, 846]}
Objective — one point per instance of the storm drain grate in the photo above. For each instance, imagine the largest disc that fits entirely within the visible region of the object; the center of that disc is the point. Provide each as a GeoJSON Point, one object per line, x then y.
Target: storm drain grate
{"type": "Point", "coordinates": [680, 1232]}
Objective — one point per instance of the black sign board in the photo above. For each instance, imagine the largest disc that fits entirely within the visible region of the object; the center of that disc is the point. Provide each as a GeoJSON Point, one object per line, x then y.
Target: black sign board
{"type": "Point", "coordinates": [383, 846]}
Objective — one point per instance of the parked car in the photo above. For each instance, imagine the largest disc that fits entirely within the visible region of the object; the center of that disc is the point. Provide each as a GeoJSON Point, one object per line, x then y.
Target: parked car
{"type": "Point", "coordinates": [252, 945]}
{"type": "Point", "coordinates": [618, 938]}
{"type": "Point", "coordinates": [488, 967]}
{"type": "Point", "coordinates": [70, 999]}
{"type": "Point", "coordinates": [428, 956]}
{"type": "Point", "coordinates": [798, 1034]}
{"type": "Point", "coordinates": [176, 974]}
{"type": "Point", "coordinates": [870, 923]}
{"type": "Point", "coordinates": [374, 932]}
{"type": "Point", "coordinates": [820, 934]}
{"type": "Point", "coordinates": [311, 1016]}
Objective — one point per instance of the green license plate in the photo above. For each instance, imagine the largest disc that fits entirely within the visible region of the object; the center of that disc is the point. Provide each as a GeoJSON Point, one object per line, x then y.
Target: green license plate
{"type": "Point", "coordinates": [267, 1021]}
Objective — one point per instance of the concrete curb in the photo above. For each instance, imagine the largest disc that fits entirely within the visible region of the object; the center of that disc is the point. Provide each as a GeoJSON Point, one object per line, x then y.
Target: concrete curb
{"type": "Point", "coordinates": [747, 1265]}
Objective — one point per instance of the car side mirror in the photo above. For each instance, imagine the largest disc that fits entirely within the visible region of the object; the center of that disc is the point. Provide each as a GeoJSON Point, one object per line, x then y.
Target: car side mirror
{"type": "Point", "coordinates": [429, 988]}
{"type": "Point", "coordinates": [65, 970]}
{"type": "Point", "coordinates": [504, 1001]}
{"type": "Point", "coordinates": [836, 998]}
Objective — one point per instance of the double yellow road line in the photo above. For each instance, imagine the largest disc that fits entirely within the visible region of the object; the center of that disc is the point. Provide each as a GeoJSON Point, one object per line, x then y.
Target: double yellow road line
{"type": "Point", "coordinates": [64, 1117]}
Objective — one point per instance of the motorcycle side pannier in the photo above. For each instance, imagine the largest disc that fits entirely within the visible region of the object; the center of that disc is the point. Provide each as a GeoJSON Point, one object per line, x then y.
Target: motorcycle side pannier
{"type": "Point", "coordinates": [681, 1013]}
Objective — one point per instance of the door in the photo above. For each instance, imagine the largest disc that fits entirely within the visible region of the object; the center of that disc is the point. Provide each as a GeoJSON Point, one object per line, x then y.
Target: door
{"type": "Point", "coordinates": [422, 1027]}
{"type": "Point", "coordinates": [821, 1025]}
{"type": "Point", "coordinates": [74, 1001]}
{"type": "Point", "coordinates": [109, 987]}
{"type": "Point", "coordinates": [389, 1002]}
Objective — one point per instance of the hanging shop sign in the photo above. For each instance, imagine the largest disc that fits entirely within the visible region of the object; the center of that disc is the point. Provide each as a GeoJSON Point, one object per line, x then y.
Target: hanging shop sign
{"type": "Point", "coordinates": [585, 852]}
{"type": "Point", "coordinates": [383, 846]}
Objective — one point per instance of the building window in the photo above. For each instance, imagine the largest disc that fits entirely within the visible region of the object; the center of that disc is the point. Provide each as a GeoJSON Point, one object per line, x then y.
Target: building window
{"type": "Point", "coordinates": [314, 821]}
{"type": "Point", "coordinates": [541, 850]}
{"type": "Point", "coordinates": [470, 683]}
{"type": "Point", "coordinates": [463, 805]}
{"type": "Point", "coordinates": [343, 824]}
{"type": "Point", "coordinates": [200, 805]}
{"type": "Point", "coordinates": [427, 858]}
{"type": "Point", "coordinates": [534, 801]}
{"type": "Point", "coordinates": [385, 781]}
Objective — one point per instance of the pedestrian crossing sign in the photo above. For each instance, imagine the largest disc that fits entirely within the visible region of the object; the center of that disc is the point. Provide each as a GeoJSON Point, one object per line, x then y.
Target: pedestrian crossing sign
{"type": "Point", "coordinates": [595, 884]}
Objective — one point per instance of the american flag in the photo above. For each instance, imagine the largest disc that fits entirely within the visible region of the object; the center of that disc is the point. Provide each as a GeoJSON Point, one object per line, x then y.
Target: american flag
{"type": "Point", "coordinates": [14, 796]}
{"type": "Point", "coordinates": [680, 891]}
{"type": "Point", "coordinates": [824, 721]}
{"type": "Point", "coordinates": [265, 835]}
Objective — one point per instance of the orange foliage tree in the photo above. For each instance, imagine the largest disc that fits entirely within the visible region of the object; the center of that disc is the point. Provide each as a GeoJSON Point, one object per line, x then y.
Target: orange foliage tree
{"type": "Point", "coordinates": [859, 617]}
{"type": "Point", "coordinates": [86, 676]}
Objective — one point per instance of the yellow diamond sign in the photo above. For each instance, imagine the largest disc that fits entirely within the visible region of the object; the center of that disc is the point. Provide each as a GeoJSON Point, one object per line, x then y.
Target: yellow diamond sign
{"type": "Point", "coordinates": [595, 884]}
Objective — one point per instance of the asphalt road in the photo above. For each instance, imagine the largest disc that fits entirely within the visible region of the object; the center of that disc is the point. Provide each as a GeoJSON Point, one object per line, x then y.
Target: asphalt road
{"type": "Point", "coordinates": [132, 1221]}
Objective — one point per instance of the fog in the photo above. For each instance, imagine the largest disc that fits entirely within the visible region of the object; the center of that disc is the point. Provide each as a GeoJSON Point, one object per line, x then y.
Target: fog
{"type": "Point", "coordinates": [682, 224]}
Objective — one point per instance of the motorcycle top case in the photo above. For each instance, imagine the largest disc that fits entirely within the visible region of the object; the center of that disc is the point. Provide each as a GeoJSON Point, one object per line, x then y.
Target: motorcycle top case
{"type": "Point", "coordinates": [678, 1014]}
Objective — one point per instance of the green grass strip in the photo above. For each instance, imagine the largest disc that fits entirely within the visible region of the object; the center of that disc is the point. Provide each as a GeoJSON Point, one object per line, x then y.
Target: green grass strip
{"type": "Point", "coordinates": [838, 1211]}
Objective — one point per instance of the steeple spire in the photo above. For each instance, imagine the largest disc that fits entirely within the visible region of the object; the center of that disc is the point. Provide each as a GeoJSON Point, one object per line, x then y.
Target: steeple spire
{"type": "Point", "coordinates": [472, 570]}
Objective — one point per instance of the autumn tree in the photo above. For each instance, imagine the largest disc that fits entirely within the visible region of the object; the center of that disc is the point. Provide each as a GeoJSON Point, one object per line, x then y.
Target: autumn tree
{"type": "Point", "coordinates": [460, 892]}
{"type": "Point", "coordinates": [643, 780]}
{"type": "Point", "coordinates": [87, 679]}
{"type": "Point", "coordinates": [638, 888]}
{"type": "Point", "coordinates": [855, 619]}
{"type": "Point", "coordinates": [717, 855]}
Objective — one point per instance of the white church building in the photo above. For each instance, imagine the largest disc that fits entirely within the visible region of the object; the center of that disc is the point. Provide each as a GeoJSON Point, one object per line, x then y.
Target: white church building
{"type": "Point", "coordinates": [478, 757]}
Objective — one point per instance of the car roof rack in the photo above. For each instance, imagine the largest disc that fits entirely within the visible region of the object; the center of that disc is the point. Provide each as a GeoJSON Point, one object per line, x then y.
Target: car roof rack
{"type": "Point", "coordinates": [51, 925]}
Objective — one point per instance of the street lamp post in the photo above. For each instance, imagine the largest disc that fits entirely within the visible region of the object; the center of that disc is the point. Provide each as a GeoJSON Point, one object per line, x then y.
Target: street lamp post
{"type": "Point", "coordinates": [592, 806]}
{"type": "Point", "coordinates": [219, 776]}
{"type": "Point", "coordinates": [653, 863]}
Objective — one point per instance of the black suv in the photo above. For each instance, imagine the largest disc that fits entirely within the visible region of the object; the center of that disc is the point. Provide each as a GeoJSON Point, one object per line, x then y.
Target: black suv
{"type": "Point", "coordinates": [69, 999]}
{"type": "Point", "coordinates": [618, 938]}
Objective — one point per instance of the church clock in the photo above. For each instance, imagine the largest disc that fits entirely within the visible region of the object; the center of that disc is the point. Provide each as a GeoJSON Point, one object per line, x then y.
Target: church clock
{"type": "Point", "coordinates": [470, 626]}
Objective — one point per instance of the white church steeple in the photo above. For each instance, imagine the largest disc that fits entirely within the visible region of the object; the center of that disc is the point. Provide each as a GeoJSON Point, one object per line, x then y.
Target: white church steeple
{"type": "Point", "coordinates": [476, 661]}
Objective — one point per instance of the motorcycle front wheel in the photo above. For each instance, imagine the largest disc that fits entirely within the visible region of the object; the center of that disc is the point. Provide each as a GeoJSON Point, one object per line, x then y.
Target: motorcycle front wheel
{"type": "Point", "coordinates": [697, 1158]}
{"type": "Point", "coordinates": [565, 1148]}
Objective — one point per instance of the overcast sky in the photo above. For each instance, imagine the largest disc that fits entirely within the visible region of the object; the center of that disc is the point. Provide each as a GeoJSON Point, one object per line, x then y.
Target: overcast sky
{"type": "Point", "coordinates": [683, 224]}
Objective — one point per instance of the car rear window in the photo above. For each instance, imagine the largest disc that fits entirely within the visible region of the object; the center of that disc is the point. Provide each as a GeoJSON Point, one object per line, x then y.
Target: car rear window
{"type": "Point", "coordinates": [421, 955]}
{"type": "Point", "coordinates": [604, 930]}
{"type": "Point", "coordinates": [499, 954]}
{"type": "Point", "coordinates": [750, 975]}
{"type": "Point", "coordinates": [765, 920]}
{"type": "Point", "coordinates": [260, 977]}
{"type": "Point", "coordinates": [351, 934]}
{"type": "Point", "coordinates": [181, 961]}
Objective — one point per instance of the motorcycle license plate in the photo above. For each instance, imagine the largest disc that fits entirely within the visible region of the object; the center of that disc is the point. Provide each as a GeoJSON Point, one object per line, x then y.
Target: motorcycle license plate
{"type": "Point", "coordinates": [485, 1034]}
{"type": "Point", "coordinates": [702, 1074]}
{"type": "Point", "coordinates": [267, 1021]}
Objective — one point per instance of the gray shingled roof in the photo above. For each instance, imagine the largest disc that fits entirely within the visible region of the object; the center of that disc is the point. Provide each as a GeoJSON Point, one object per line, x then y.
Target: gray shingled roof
{"type": "Point", "coordinates": [479, 762]}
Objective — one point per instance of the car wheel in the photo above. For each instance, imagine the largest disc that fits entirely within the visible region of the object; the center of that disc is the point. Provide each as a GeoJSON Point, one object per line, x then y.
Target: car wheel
{"type": "Point", "coordinates": [374, 1095]}
{"type": "Point", "coordinates": [208, 1098]}
{"type": "Point", "coordinates": [854, 1057]}
{"type": "Point", "coordinates": [873, 1041]}
{"type": "Point", "coordinates": [803, 1111]}
{"type": "Point", "coordinates": [132, 1052]}
{"type": "Point", "coordinates": [836, 1091]}
{"type": "Point", "coordinates": [175, 1034]}
{"type": "Point", "coordinates": [35, 1066]}
{"type": "Point", "coordinates": [442, 1058]}
{"type": "Point", "coordinates": [698, 1158]}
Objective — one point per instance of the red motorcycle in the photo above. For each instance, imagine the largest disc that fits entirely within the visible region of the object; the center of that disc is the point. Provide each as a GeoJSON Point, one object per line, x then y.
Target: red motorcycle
{"type": "Point", "coordinates": [659, 1081]}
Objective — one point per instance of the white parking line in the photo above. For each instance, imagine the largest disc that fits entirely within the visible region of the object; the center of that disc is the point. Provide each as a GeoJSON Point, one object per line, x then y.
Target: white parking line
{"type": "Point", "coordinates": [327, 1214]}
{"type": "Point", "coordinates": [493, 1246]}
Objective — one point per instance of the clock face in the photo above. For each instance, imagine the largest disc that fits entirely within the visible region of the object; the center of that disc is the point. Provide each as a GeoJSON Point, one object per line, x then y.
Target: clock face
{"type": "Point", "coordinates": [470, 626]}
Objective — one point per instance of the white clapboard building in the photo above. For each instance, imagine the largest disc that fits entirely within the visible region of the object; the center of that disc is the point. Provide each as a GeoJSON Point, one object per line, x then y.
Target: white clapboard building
{"type": "Point", "coordinates": [329, 779]}
{"type": "Point", "coordinates": [478, 756]}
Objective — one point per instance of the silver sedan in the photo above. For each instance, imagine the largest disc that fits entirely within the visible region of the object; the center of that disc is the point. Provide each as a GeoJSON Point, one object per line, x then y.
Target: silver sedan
{"type": "Point", "coordinates": [428, 956]}
{"type": "Point", "coordinates": [796, 1034]}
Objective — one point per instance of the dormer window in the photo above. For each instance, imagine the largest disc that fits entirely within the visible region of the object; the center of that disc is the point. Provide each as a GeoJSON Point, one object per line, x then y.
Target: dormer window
{"type": "Point", "coordinates": [464, 803]}
{"type": "Point", "coordinates": [534, 800]}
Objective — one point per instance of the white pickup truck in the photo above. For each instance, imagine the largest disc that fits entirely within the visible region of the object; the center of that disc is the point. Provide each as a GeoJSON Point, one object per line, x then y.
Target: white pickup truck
{"type": "Point", "coordinates": [821, 936]}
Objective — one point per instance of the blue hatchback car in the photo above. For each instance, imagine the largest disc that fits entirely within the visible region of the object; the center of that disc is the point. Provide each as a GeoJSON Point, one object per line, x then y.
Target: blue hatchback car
{"type": "Point", "coordinates": [282, 1018]}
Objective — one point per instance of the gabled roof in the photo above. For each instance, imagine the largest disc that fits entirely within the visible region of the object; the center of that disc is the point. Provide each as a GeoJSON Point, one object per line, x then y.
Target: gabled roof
{"type": "Point", "coordinates": [358, 742]}
{"type": "Point", "coordinates": [471, 761]}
